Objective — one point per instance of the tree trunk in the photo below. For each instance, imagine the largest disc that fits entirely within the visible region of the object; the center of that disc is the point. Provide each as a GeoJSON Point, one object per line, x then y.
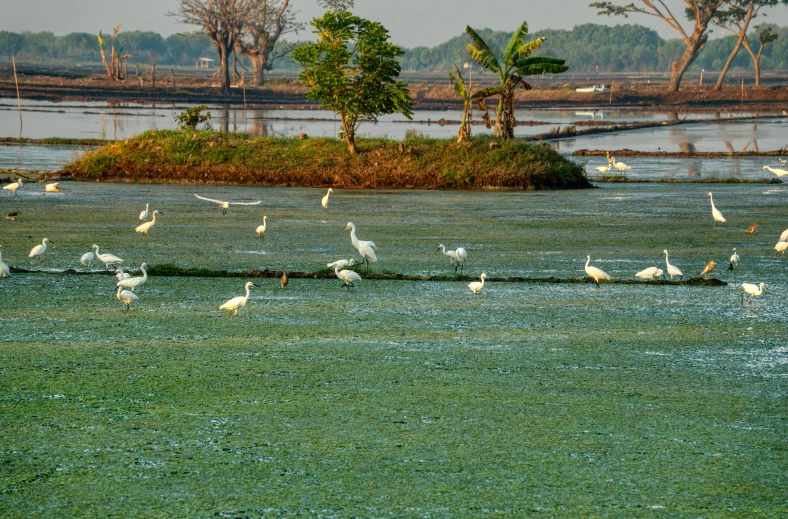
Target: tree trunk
{"type": "Point", "coordinates": [758, 71]}
{"type": "Point", "coordinates": [348, 132]}
{"type": "Point", "coordinates": [742, 34]}
{"type": "Point", "coordinates": [224, 68]}
{"type": "Point", "coordinates": [258, 67]}
{"type": "Point", "coordinates": [680, 67]}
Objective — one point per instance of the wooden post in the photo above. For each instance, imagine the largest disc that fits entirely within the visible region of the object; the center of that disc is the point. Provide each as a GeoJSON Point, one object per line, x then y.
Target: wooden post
{"type": "Point", "coordinates": [610, 102]}
{"type": "Point", "coordinates": [18, 99]}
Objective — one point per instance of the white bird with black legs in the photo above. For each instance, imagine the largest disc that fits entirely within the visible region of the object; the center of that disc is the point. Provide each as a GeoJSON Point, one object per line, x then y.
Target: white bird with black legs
{"type": "Point", "coordinates": [13, 186]}
{"type": "Point", "coordinates": [106, 258]}
{"type": "Point", "coordinates": [596, 273]}
{"type": "Point", "coordinates": [604, 169]}
{"type": "Point", "coordinates": [462, 256]}
{"type": "Point", "coordinates": [52, 187]}
{"type": "Point", "coordinates": [477, 286]}
{"type": "Point", "coordinates": [623, 168]}
{"type": "Point", "coordinates": [261, 228]}
{"type": "Point", "coordinates": [87, 259]}
{"type": "Point", "coordinates": [39, 250]}
{"type": "Point", "coordinates": [715, 213]}
{"type": "Point", "coordinates": [343, 263]}
{"type": "Point", "coordinates": [238, 302]}
{"type": "Point", "coordinates": [126, 296]}
{"type": "Point", "coordinates": [672, 269]}
{"type": "Point", "coordinates": [324, 201]}
{"type": "Point", "coordinates": [144, 213]}
{"type": "Point", "coordinates": [132, 283]}
{"type": "Point", "coordinates": [348, 276]}
{"type": "Point", "coordinates": [451, 254]}
{"type": "Point", "coordinates": [734, 260]}
{"type": "Point", "coordinates": [649, 273]}
{"type": "Point", "coordinates": [365, 248]}
{"type": "Point", "coordinates": [145, 227]}
{"type": "Point", "coordinates": [4, 270]}
{"type": "Point", "coordinates": [226, 205]}
{"type": "Point", "coordinates": [752, 290]}
{"type": "Point", "coordinates": [777, 171]}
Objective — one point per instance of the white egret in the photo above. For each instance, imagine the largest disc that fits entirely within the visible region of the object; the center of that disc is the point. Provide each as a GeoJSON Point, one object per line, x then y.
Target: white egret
{"type": "Point", "coordinates": [87, 259]}
{"type": "Point", "coordinates": [226, 205]}
{"type": "Point", "coordinates": [12, 215]}
{"type": "Point", "coordinates": [121, 275]}
{"type": "Point", "coordinates": [780, 247]}
{"type": "Point", "coordinates": [752, 290]}
{"type": "Point", "coordinates": [13, 186]}
{"type": "Point", "coordinates": [4, 270]}
{"type": "Point", "coordinates": [734, 261]}
{"type": "Point", "coordinates": [348, 276]}
{"type": "Point", "coordinates": [715, 213]}
{"type": "Point", "coordinates": [621, 166]}
{"type": "Point", "coordinates": [708, 268]}
{"type": "Point", "coordinates": [237, 302]}
{"type": "Point", "coordinates": [672, 270]}
{"type": "Point", "coordinates": [451, 254]}
{"type": "Point", "coordinates": [106, 258]}
{"type": "Point", "coordinates": [132, 283]}
{"type": "Point", "coordinates": [324, 201]}
{"type": "Point", "coordinates": [126, 296]}
{"type": "Point", "coordinates": [145, 227]}
{"type": "Point", "coordinates": [477, 286]}
{"type": "Point", "coordinates": [659, 274]}
{"type": "Point", "coordinates": [461, 256]}
{"type": "Point", "coordinates": [261, 229]}
{"type": "Point", "coordinates": [342, 263]}
{"type": "Point", "coordinates": [596, 273]}
{"type": "Point", "coordinates": [52, 188]}
{"type": "Point", "coordinates": [784, 236]}
{"type": "Point", "coordinates": [783, 162]}
{"type": "Point", "coordinates": [283, 281]}
{"type": "Point", "coordinates": [365, 248]}
{"type": "Point", "coordinates": [144, 214]}
{"type": "Point", "coordinates": [39, 250]}
{"type": "Point", "coordinates": [604, 169]}
{"type": "Point", "coordinates": [649, 273]}
{"type": "Point", "coordinates": [777, 171]}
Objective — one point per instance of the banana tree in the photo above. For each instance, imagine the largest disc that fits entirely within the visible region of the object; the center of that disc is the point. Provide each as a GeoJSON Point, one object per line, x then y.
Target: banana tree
{"type": "Point", "coordinates": [513, 63]}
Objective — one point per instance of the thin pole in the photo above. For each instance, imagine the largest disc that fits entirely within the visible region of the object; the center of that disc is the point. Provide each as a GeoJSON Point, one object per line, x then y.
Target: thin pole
{"type": "Point", "coordinates": [18, 99]}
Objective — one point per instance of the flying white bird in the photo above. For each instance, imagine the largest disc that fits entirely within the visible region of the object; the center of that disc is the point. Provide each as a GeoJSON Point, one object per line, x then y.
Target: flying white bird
{"type": "Point", "coordinates": [145, 227]}
{"type": "Point", "coordinates": [52, 188]}
{"type": "Point", "coordinates": [672, 270]}
{"type": "Point", "coordinates": [132, 283]}
{"type": "Point", "coordinates": [237, 302]}
{"type": "Point", "coordinates": [718, 218]}
{"type": "Point", "coordinates": [734, 261]}
{"type": "Point", "coordinates": [753, 290]}
{"type": "Point", "coordinates": [365, 248]}
{"type": "Point", "coordinates": [4, 270]}
{"type": "Point", "coordinates": [649, 273]}
{"type": "Point", "coordinates": [144, 213]}
{"type": "Point", "coordinates": [342, 263]}
{"type": "Point", "coordinates": [596, 273]}
{"type": "Point", "coordinates": [226, 205]}
{"type": "Point", "coordinates": [13, 186]}
{"type": "Point", "coordinates": [777, 171]}
{"type": "Point", "coordinates": [477, 286]}
{"type": "Point", "coordinates": [126, 296]}
{"type": "Point", "coordinates": [324, 201]}
{"type": "Point", "coordinates": [39, 250]}
{"type": "Point", "coordinates": [348, 276]}
{"type": "Point", "coordinates": [261, 228]}
{"type": "Point", "coordinates": [87, 259]}
{"type": "Point", "coordinates": [106, 258]}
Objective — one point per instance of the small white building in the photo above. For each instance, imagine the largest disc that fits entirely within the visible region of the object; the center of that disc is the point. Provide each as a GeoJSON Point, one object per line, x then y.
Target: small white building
{"type": "Point", "coordinates": [204, 63]}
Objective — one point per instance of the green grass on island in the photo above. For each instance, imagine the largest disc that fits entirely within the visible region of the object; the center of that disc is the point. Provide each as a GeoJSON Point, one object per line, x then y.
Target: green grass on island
{"type": "Point", "coordinates": [232, 158]}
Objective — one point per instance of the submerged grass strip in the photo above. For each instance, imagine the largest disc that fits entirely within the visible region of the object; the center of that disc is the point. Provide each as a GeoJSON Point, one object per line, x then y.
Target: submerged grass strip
{"type": "Point", "coordinates": [209, 157]}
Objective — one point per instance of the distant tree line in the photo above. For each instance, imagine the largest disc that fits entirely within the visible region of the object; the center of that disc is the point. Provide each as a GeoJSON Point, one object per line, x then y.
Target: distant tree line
{"type": "Point", "coordinates": [586, 48]}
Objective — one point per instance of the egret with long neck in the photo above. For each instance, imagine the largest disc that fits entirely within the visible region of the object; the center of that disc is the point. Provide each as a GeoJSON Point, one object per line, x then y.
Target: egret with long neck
{"type": "Point", "coordinates": [132, 283]}
{"type": "Point", "coordinates": [145, 227]}
{"type": "Point", "coordinates": [715, 213]}
{"type": "Point", "coordinates": [596, 273]}
{"type": "Point", "coordinates": [672, 270]}
{"type": "Point", "coordinates": [238, 302]}
{"type": "Point", "coordinates": [365, 248]}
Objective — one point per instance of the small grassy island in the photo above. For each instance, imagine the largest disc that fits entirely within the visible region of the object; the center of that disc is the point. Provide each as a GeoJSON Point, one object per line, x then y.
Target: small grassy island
{"type": "Point", "coordinates": [422, 163]}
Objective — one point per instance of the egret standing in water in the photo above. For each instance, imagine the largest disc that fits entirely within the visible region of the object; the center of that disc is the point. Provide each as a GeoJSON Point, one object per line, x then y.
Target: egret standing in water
{"type": "Point", "coordinates": [780, 247]}
{"type": "Point", "coordinates": [261, 229]}
{"type": "Point", "coordinates": [715, 213]}
{"type": "Point", "coordinates": [672, 270]}
{"type": "Point", "coordinates": [238, 302]}
{"type": "Point", "coordinates": [348, 276]}
{"type": "Point", "coordinates": [777, 171]}
{"type": "Point", "coordinates": [126, 296]}
{"type": "Point", "coordinates": [39, 250]}
{"type": "Point", "coordinates": [4, 270]}
{"type": "Point", "coordinates": [596, 273]}
{"type": "Point", "coordinates": [87, 259]}
{"type": "Point", "coordinates": [121, 275]}
{"type": "Point", "coordinates": [734, 260]}
{"type": "Point", "coordinates": [145, 227]}
{"type": "Point", "coordinates": [477, 286]}
{"type": "Point", "coordinates": [13, 186]}
{"type": "Point", "coordinates": [133, 282]}
{"type": "Point", "coordinates": [106, 258]}
{"type": "Point", "coordinates": [343, 263]}
{"type": "Point", "coordinates": [144, 213]}
{"type": "Point", "coordinates": [649, 273]}
{"type": "Point", "coordinates": [226, 205]}
{"type": "Point", "coordinates": [365, 248]}
{"type": "Point", "coordinates": [623, 168]}
{"type": "Point", "coordinates": [753, 290]}
{"type": "Point", "coordinates": [324, 201]}
{"type": "Point", "coordinates": [52, 188]}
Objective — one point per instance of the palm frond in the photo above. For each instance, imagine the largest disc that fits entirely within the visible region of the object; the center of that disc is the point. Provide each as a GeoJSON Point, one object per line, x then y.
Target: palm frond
{"type": "Point", "coordinates": [458, 82]}
{"type": "Point", "coordinates": [480, 52]}
{"type": "Point", "coordinates": [539, 65]}
{"type": "Point", "coordinates": [488, 92]}
{"type": "Point", "coordinates": [515, 43]}
{"type": "Point", "coordinates": [527, 48]}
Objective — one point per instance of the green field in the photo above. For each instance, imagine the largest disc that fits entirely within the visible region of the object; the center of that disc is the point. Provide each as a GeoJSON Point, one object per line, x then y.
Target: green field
{"type": "Point", "coordinates": [396, 398]}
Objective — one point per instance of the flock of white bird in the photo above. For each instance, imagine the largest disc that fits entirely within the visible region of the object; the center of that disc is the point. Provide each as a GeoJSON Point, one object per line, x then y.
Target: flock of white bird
{"type": "Point", "coordinates": [343, 268]}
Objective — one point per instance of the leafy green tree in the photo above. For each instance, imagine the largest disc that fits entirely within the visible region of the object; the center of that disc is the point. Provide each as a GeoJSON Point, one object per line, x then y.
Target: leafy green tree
{"type": "Point", "coordinates": [352, 69]}
{"type": "Point", "coordinates": [191, 117]}
{"type": "Point", "coordinates": [701, 12]}
{"type": "Point", "coordinates": [765, 37]}
{"type": "Point", "coordinates": [514, 62]}
{"type": "Point", "coordinates": [464, 92]}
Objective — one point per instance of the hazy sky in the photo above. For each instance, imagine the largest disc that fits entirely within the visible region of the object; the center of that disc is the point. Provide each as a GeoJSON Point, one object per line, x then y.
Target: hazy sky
{"type": "Point", "coordinates": [410, 22]}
